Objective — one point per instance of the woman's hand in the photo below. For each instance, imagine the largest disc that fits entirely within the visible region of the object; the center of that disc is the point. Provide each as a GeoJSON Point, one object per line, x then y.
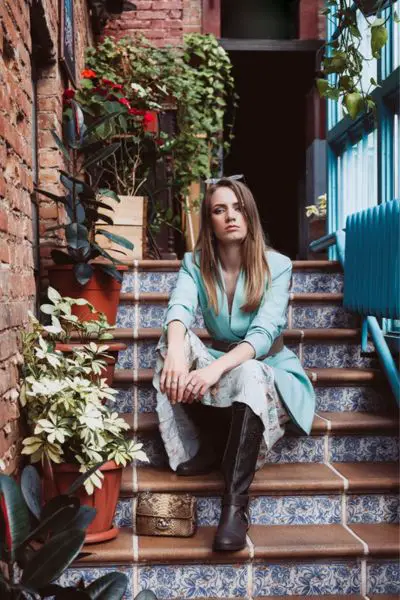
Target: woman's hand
{"type": "Point", "coordinates": [199, 382]}
{"type": "Point", "coordinates": [174, 374]}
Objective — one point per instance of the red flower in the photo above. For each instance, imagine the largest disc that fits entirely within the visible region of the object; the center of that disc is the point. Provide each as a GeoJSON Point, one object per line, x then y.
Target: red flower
{"type": "Point", "coordinates": [68, 94]}
{"type": "Point", "coordinates": [117, 86]}
{"type": "Point", "coordinates": [150, 121]}
{"type": "Point", "coordinates": [107, 82]}
{"type": "Point", "coordinates": [136, 111]}
{"type": "Point", "coordinates": [88, 74]}
{"type": "Point", "coordinates": [100, 91]}
{"type": "Point", "coordinates": [124, 101]}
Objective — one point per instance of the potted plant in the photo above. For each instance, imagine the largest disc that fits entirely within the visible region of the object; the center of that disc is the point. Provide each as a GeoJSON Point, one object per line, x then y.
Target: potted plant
{"type": "Point", "coordinates": [72, 426]}
{"type": "Point", "coordinates": [316, 213]}
{"type": "Point", "coordinates": [38, 542]}
{"type": "Point", "coordinates": [75, 273]}
{"type": "Point", "coordinates": [136, 130]}
{"type": "Point", "coordinates": [73, 333]}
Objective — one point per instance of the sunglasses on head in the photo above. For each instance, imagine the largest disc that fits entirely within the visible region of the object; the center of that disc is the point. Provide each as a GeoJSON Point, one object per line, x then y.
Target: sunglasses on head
{"type": "Point", "coordinates": [214, 180]}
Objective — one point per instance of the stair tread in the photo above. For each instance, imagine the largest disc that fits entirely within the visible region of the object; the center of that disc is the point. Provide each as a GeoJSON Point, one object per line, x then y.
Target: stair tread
{"type": "Point", "coordinates": [289, 478]}
{"type": "Point", "coordinates": [270, 542]}
{"type": "Point", "coordinates": [173, 265]}
{"type": "Point", "coordinates": [316, 334]}
{"type": "Point", "coordinates": [319, 376]}
{"type": "Point", "coordinates": [344, 423]}
{"type": "Point", "coordinates": [300, 297]}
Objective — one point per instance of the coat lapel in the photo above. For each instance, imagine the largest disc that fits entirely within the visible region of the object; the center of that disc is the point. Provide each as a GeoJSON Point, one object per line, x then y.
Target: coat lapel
{"type": "Point", "coordinates": [239, 322]}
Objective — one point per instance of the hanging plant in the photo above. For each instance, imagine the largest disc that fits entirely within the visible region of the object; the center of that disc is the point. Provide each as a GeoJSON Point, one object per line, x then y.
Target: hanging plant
{"type": "Point", "coordinates": [343, 58]}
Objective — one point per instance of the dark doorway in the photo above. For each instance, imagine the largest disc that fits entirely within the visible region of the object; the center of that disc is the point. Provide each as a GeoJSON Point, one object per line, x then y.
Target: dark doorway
{"type": "Point", "coordinates": [270, 136]}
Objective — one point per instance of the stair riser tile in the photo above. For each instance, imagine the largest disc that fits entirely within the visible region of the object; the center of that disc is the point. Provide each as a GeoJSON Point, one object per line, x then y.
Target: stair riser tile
{"type": "Point", "coordinates": [264, 510]}
{"type": "Point", "coordinates": [195, 581]}
{"type": "Point", "coordinates": [322, 316]}
{"type": "Point", "coordinates": [353, 399]}
{"type": "Point", "coordinates": [302, 317]}
{"type": "Point", "coordinates": [314, 355]}
{"type": "Point", "coordinates": [363, 448]}
{"type": "Point", "coordinates": [303, 281]}
{"type": "Point", "coordinates": [373, 508]}
{"type": "Point", "coordinates": [333, 399]}
{"type": "Point", "coordinates": [308, 281]}
{"type": "Point", "coordinates": [383, 577]}
{"type": "Point", "coordinates": [314, 579]}
{"type": "Point", "coordinates": [73, 575]}
{"type": "Point", "coordinates": [286, 450]}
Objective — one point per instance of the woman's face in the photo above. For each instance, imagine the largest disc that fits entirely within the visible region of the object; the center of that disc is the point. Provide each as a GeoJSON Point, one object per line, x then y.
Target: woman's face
{"type": "Point", "coordinates": [227, 219]}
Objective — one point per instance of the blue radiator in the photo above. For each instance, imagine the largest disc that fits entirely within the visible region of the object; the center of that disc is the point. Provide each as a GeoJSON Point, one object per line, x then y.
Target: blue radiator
{"type": "Point", "coordinates": [372, 264]}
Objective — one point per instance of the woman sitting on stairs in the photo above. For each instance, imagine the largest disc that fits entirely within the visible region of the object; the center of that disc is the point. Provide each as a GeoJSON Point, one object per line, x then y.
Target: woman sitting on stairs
{"type": "Point", "coordinates": [226, 405]}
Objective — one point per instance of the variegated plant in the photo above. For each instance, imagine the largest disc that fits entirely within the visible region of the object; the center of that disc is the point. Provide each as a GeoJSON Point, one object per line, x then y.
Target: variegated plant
{"type": "Point", "coordinates": [68, 405]}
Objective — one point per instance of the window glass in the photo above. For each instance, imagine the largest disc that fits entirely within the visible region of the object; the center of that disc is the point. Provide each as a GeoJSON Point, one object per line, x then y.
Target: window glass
{"type": "Point", "coordinates": [396, 157]}
{"type": "Point", "coordinates": [358, 177]}
{"type": "Point", "coordinates": [396, 37]}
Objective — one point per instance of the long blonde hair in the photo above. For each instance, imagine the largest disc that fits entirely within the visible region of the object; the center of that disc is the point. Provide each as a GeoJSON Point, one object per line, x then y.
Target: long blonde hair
{"type": "Point", "coordinates": [254, 246]}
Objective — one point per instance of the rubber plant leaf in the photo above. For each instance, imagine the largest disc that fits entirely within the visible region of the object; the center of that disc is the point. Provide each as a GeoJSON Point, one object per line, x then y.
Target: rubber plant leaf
{"type": "Point", "coordinates": [112, 271]}
{"type": "Point", "coordinates": [31, 488]}
{"type": "Point", "coordinates": [77, 235]}
{"type": "Point", "coordinates": [117, 239]}
{"type": "Point", "coordinates": [111, 586]}
{"type": "Point", "coordinates": [53, 558]}
{"type": "Point", "coordinates": [101, 155]}
{"type": "Point", "coordinates": [61, 258]}
{"type": "Point", "coordinates": [83, 273]}
{"type": "Point", "coordinates": [14, 518]}
{"type": "Point", "coordinates": [79, 481]}
{"type": "Point", "coordinates": [61, 145]}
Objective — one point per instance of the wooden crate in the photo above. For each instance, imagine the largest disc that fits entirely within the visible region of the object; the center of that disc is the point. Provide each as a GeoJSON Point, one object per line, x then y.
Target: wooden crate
{"type": "Point", "coordinates": [130, 218]}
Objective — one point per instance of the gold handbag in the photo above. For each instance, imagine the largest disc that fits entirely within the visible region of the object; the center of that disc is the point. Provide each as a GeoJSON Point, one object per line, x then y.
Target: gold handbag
{"type": "Point", "coordinates": [171, 515]}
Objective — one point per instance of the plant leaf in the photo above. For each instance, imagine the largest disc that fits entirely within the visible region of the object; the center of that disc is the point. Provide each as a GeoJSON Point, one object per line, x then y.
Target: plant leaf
{"type": "Point", "coordinates": [14, 518]}
{"type": "Point", "coordinates": [77, 236]}
{"type": "Point", "coordinates": [101, 155]}
{"type": "Point", "coordinates": [92, 128]}
{"type": "Point", "coordinates": [112, 271]}
{"type": "Point", "coordinates": [84, 517]}
{"type": "Point", "coordinates": [110, 194]}
{"type": "Point", "coordinates": [82, 478]}
{"type": "Point", "coordinates": [54, 197]}
{"type": "Point", "coordinates": [121, 241]}
{"type": "Point", "coordinates": [61, 258]}
{"type": "Point", "coordinates": [83, 273]}
{"type": "Point", "coordinates": [60, 145]}
{"type": "Point", "coordinates": [111, 586]}
{"type": "Point", "coordinates": [53, 558]}
{"type": "Point", "coordinates": [31, 488]}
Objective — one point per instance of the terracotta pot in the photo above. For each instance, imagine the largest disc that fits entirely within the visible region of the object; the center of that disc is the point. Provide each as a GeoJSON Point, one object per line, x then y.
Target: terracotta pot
{"type": "Point", "coordinates": [104, 501]}
{"type": "Point", "coordinates": [113, 349]}
{"type": "Point", "coordinates": [102, 290]}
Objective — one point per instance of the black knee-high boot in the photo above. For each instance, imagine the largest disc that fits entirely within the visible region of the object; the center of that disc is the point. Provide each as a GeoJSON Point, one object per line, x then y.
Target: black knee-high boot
{"type": "Point", "coordinates": [238, 467]}
{"type": "Point", "coordinates": [213, 426]}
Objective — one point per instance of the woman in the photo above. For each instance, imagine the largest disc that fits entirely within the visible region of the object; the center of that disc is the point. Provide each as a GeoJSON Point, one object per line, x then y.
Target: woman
{"type": "Point", "coordinates": [241, 390]}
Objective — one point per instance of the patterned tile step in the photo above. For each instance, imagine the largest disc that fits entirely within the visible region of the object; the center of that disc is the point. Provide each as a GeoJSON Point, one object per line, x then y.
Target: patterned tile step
{"type": "Point", "coordinates": [319, 376]}
{"type": "Point", "coordinates": [283, 479]}
{"type": "Point", "coordinates": [304, 449]}
{"type": "Point", "coordinates": [299, 316]}
{"type": "Point", "coordinates": [333, 399]}
{"type": "Point", "coordinates": [319, 509]}
{"type": "Point", "coordinates": [311, 355]}
{"type": "Point", "coordinates": [312, 277]}
{"type": "Point", "coordinates": [277, 542]}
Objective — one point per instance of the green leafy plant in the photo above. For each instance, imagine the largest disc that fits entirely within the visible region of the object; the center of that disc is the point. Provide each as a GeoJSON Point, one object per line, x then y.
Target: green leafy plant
{"type": "Point", "coordinates": [196, 81]}
{"type": "Point", "coordinates": [66, 326]}
{"type": "Point", "coordinates": [343, 58]}
{"type": "Point", "coordinates": [317, 210]}
{"type": "Point", "coordinates": [38, 542]}
{"type": "Point", "coordinates": [64, 400]}
{"type": "Point", "coordinates": [87, 204]}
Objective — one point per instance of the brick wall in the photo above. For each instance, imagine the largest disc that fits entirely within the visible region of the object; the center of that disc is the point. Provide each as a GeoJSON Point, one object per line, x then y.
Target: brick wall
{"type": "Point", "coordinates": [161, 21]}
{"type": "Point", "coordinates": [17, 283]}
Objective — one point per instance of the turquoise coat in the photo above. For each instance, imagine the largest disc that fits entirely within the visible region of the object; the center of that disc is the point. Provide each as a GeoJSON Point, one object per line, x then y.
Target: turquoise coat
{"type": "Point", "coordinates": [259, 328]}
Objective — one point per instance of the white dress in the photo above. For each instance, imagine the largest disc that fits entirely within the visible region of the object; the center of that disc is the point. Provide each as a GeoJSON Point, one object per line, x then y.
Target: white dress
{"type": "Point", "coordinates": [251, 383]}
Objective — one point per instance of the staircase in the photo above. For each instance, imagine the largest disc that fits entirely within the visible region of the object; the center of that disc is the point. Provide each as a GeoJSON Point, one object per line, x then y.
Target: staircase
{"type": "Point", "coordinates": [324, 509]}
